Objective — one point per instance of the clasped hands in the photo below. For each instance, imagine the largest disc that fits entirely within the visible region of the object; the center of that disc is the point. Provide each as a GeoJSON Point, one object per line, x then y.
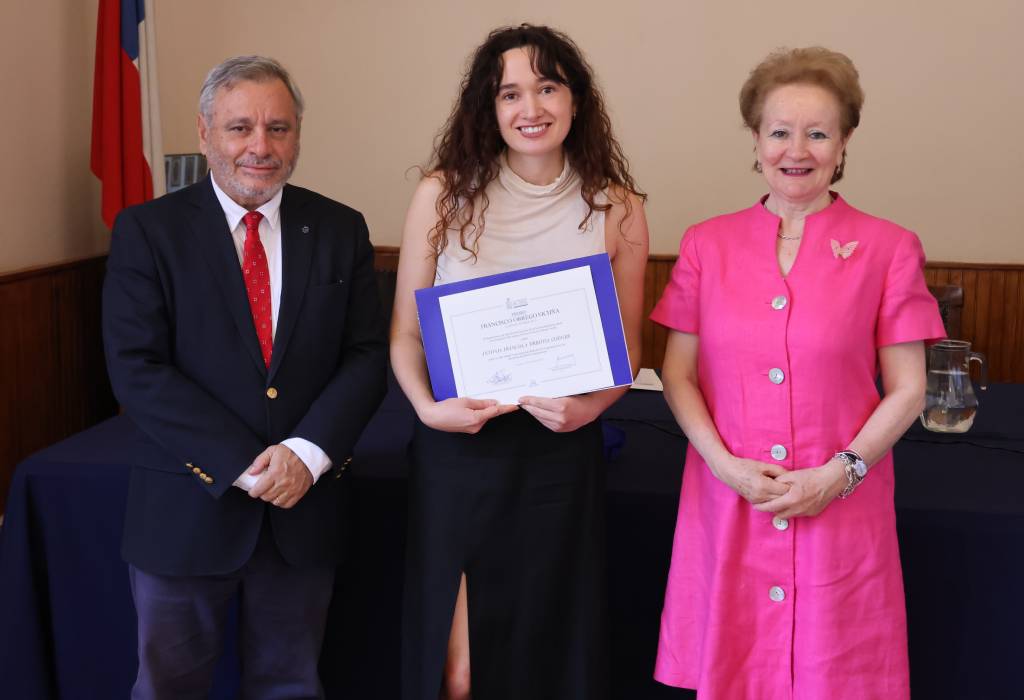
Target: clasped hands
{"type": "Point", "coordinates": [771, 488]}
{"type": "Point", "coordinates": [465, 415]}
{"type": "Point", "coordinates": [283, 477]}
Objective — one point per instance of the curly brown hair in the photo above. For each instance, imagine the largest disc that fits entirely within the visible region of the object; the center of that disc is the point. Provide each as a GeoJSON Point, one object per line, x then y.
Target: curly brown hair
{"type": "Point", "coordinates": [814, 65]}
{"type": "Point", "coordinates": [467, 149]}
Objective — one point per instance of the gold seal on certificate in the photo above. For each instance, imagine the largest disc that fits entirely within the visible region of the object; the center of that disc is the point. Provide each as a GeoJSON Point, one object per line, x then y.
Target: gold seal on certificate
{"type": "Point", "coordinates": [552, 330]}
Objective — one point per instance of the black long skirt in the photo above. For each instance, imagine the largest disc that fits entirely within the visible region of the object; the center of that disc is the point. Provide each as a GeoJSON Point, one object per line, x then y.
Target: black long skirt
{"type": "Point", "coordinates": [520, 510]}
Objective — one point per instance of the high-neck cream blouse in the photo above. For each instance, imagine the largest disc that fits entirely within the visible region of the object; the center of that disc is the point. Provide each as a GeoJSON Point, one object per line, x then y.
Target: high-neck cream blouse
{"type": "Point", "coordinates": [526, 225]}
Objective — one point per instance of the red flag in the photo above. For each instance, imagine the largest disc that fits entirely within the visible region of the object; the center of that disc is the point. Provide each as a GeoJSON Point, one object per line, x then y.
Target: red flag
{"type": "Point", "coordinates": [119, 148]}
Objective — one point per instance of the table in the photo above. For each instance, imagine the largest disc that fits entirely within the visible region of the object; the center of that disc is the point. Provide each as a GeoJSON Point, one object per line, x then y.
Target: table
{"type": "Point", "coordinates": [69, 625]}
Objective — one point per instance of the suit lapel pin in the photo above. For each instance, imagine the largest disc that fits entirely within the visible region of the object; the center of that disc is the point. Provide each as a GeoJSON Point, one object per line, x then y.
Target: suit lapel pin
{"type": "Point", "coordinates": [305, 229]}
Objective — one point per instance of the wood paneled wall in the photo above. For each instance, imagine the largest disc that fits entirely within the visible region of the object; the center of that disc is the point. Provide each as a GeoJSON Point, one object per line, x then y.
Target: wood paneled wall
{"type": "Point", "coordinates": [659, 269]}
{"type": "Point", "coordinates": [386, 258]}
{"type": "Point", "coordinates": [993, 313]}
{"type": "Point", "coordinates": [992, 317]}
{"type": "Point", "coordinates": [53, 380]}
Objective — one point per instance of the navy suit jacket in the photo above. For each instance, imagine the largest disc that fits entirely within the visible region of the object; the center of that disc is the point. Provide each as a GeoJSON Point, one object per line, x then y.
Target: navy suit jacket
{"type": "Point", "coordinates": [185, 363]}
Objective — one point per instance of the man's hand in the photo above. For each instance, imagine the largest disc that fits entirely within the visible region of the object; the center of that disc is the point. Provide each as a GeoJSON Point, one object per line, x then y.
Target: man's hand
{"type": "Point", "coordinates": [283, 477]}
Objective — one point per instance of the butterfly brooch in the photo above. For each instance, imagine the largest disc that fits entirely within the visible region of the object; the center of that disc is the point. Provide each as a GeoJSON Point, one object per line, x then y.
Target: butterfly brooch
{"type": "Point", "coordinates": [843, 251]}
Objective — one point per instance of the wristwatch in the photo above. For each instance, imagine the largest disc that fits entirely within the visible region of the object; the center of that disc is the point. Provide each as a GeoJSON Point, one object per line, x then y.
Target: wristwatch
{"type": "Point", "coordinates": [856, 470]}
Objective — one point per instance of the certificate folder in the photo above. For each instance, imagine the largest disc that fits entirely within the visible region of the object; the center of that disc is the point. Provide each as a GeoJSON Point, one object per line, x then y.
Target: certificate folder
{"type": "Point", "coordinates": [550, 330]}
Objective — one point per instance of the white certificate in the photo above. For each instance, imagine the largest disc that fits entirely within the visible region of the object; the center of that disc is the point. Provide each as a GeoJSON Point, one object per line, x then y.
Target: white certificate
{"type": "Point", "coordinates": [544, 331]}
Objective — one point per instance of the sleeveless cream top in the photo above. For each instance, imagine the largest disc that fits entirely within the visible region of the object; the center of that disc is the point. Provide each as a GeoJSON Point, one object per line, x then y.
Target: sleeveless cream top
{"type": "Point", "coordinates": [526, 225]}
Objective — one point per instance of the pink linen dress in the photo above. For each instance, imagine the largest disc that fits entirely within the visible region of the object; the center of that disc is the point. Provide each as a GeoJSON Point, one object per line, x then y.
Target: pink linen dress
{"type": "Point", "coordinates": [757, 607]}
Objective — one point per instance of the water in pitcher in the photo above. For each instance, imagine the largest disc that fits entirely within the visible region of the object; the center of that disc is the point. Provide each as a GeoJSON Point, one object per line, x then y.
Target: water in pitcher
{"type": "Point", "coordinates": [950, 403]}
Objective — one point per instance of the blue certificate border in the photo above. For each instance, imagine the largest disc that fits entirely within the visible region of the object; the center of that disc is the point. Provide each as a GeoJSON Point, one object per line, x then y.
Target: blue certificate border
{"type": "Point", "coordinates": [435, 341]}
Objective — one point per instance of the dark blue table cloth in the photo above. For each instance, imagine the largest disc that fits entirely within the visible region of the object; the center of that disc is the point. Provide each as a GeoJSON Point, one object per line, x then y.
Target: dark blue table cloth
{"type": "Point", "coordinates": [68, 625]}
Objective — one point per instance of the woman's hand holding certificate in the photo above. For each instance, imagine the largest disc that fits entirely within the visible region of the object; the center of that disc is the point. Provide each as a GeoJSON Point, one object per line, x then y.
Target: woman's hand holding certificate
{"type": "Point", "coordinates": [462, 415]}
{"type": "Point", "coordinates": [562, 415]}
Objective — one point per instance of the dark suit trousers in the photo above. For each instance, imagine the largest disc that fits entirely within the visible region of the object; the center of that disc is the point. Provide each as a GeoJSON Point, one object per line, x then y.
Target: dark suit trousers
{"type": "Point", "coordinates": [282, 615]}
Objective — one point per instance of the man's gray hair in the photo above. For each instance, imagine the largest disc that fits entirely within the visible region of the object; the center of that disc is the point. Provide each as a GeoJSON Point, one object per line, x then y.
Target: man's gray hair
{"type": "Point", "coordinates": [234, 70]}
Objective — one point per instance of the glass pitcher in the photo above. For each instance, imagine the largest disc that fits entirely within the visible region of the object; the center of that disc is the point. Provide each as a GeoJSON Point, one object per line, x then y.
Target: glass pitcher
{"type": "Point", "coordinates": [950, 403]}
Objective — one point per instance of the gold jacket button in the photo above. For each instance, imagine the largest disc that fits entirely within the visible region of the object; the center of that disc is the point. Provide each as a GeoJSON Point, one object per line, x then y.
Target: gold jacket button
{"type": "Point", "coordinates": [197, 470]}
{"type": "Point", "coordinates": [342, 468]}
{"type": "Point", "coordinates": [271, 393]}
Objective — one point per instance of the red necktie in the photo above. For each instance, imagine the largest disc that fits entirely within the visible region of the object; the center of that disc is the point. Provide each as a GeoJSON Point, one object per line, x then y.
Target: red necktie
{"type": "Point", "coordinates": [257, 283]}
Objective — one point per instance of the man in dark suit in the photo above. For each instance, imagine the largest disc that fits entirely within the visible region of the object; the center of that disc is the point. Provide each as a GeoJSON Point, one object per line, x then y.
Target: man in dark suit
{"type": "Point", "coordinates": [243, 336]}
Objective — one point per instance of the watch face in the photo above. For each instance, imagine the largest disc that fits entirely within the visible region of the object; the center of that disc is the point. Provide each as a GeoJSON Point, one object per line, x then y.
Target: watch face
{"type": "Point", "coordinates": [860, 468]}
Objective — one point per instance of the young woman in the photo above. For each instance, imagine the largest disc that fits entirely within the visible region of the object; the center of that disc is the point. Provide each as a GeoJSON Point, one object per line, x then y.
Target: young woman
{"type": "Point", "coordinates": [505, 568]}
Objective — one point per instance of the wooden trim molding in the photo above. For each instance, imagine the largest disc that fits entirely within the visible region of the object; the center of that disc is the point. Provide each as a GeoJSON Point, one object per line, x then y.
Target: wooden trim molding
{"type": "Point", "coordinates": [385, 258]}
{"type": "Point", "coordinates": [992, 315]}
{"type": "Point", "coordinates": [53, 379]}
{"type": "Point", "coordinates": [991, 318]}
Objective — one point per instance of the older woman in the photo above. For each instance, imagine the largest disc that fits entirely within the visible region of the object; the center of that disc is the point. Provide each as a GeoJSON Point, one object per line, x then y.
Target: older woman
{"type": "Point", "coordinates": [785, 578]}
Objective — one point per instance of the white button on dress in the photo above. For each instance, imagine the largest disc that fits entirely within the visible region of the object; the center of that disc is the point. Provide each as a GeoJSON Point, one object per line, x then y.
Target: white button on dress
{"type": "Point", "coordinates": [779, 452]}
{"type": "Point", "coordinates": [780, 523]}
{"type": "Point", "coordinates": [776, 375]}
{"type": "Point", "coordinates": [779, 303]}
{"type": "Point", "coordinates": [777, 594]}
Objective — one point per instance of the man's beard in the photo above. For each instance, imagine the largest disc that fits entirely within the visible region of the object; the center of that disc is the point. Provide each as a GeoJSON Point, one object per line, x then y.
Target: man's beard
{"type": "Point", "coordinates": [249, 193]}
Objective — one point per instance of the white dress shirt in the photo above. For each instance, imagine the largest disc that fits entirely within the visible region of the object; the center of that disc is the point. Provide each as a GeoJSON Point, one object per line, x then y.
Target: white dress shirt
{"type": "Point", "coordinates": [315, 459]}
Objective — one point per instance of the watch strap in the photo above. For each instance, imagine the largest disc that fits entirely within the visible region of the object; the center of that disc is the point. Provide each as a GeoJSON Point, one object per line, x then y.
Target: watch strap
{"type": "Point", "coordinates": [856, 469]}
